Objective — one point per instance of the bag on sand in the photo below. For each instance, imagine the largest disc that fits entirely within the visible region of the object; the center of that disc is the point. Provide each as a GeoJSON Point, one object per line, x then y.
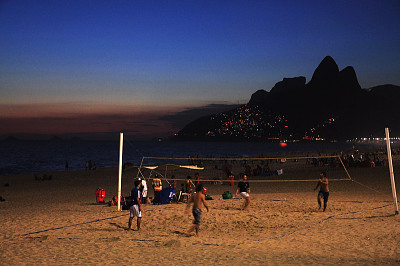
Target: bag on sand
{"type": "Point", "coordinates": [227, 195]}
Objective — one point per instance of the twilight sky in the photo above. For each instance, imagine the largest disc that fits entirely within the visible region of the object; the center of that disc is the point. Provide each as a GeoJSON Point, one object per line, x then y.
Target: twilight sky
{"type": "Point", "coordinates": [149, 67]}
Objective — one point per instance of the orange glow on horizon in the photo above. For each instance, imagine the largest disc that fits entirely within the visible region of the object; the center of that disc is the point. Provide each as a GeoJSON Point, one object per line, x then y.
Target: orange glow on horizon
{"type": "Point", "coordinates": [72, 109]}
{"type": "Point", "coordinates": [67, 118]}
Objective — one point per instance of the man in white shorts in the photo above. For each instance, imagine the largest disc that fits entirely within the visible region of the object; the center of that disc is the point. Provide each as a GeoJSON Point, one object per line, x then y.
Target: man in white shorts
{"type": "Point", "coordinates": [136, 208]}
{"type": "Point", "coordinates": [244, 189]}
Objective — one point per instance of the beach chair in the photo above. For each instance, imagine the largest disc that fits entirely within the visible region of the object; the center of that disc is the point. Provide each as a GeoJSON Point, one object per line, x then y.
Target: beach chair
{"type": "Point", "coordinates": [183, 197]}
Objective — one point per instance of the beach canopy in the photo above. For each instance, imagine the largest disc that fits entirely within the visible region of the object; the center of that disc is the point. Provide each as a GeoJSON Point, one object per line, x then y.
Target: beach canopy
{"type": "Point", "coordinates": [173, 167]}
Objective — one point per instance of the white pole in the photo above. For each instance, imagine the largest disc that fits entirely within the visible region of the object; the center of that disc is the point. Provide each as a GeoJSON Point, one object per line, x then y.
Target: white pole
{"type": "Point", "coordinates": [121, 143]}
{"type": "Point", "coordinates": [389, 153]}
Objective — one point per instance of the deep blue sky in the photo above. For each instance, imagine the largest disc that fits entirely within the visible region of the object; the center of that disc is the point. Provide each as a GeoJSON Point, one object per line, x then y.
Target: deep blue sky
{"type": "Point", "coordinates": [139, 60]}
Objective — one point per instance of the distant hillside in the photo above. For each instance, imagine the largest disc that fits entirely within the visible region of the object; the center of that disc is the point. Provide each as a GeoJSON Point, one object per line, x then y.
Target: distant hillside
{"type": "Point", "coordinates": [331, 106]}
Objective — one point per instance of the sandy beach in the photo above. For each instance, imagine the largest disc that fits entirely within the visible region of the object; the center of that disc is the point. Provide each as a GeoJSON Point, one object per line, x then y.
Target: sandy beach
{"type": "Point", "coordinates": [58, 221]}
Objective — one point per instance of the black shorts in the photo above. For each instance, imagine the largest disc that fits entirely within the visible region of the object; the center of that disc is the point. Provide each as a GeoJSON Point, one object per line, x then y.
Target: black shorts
{"type": "Point", "coordinates": [324, 195]}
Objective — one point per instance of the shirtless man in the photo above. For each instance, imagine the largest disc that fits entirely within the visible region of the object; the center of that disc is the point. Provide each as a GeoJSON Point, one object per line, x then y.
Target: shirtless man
{"type": "Point", "coordinates": [197, 199]}
{"type": "Point", "coordinates": [323, 189]}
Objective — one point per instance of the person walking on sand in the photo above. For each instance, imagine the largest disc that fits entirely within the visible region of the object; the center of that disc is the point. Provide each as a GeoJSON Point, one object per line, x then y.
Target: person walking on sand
{"type": "Point", "coordinates": [136, 207]}
{"type": "Point", "coordinates": [197, 199]}
{"type": "Point", "coordinates": [244, 189]}
{"type": "Point", "coordinates": [323, 190]}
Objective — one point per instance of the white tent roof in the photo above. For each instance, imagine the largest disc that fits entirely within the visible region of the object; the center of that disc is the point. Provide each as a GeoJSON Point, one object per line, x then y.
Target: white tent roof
{"type": "Point", "coordinates": [172, 166]}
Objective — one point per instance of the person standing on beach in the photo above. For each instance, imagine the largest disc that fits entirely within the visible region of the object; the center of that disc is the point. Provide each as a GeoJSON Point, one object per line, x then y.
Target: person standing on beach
{"type": "Point", "coordinates": [173, 182]}
{"type": "Point", "coordinates": [136, 208]}
{"type": "Point", "coordinates": [143, 190]}
{"type": "Point", "coordinates": [323, 190]}
{"type": "Point", "coordinates": [157, 187]}
{"type": "Point", "coordinates": [197, 178]}
{"type": "Point", "coordinates": [244, 189]}
{"type": "Point", "coordinates": [188, 185]}
{"type": "Point", "coordinates": [197, 199]}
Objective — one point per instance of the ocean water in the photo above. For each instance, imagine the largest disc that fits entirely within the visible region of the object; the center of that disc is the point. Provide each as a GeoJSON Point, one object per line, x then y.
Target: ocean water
{"type": "Point", "coordinates": [48, 156]}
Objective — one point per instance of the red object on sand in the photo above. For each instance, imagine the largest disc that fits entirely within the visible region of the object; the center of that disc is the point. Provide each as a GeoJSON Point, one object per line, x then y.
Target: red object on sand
{"type": "Point", "coordinates": [231, 178]}
{"type": "Point", "coordinates": [100, 194]}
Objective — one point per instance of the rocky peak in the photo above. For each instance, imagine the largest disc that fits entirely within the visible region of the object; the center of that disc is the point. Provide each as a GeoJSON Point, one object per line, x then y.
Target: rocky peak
{"type": "Point", "coordinates": [289, 85]}
{"type": "Point", "coordinates": [326, 73]}
{"type": "Point", "coordinates": [348, 79]}
{"type": "Point", "coordinates": [258, 98]}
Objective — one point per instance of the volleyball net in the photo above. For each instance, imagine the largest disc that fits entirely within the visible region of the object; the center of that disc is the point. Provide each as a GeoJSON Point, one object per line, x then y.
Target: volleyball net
{"type": "Point", "coordinates": [257, 169]}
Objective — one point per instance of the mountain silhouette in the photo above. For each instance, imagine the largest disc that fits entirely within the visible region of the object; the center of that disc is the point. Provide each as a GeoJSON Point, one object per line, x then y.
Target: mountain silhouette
{"type": "Point", "coordinates": [332, 106]}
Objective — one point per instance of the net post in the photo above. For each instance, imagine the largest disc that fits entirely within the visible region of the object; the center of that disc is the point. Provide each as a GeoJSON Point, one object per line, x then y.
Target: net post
{"type": "Point", "coordinates": [389, 153]}
{"type": "Point", "coordinates": [121, 142]}
{"type": "Point", "coordinates": [340, 159]}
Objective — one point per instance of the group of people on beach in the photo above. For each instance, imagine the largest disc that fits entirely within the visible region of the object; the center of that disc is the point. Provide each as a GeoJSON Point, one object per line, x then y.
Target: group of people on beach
{"type": "Point", "coordinates": [90, 165]}
{"type": "Point", "coordinates": [197, 200]}
{"type": "Point", "coordinates": [44, 177]}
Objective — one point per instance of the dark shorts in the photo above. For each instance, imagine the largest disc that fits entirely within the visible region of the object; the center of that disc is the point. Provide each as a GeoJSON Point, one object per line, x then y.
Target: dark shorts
{"type": "Point", "coordinates": [324, 195]}
{"type": "Point", "coordinates": [197, 216]}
